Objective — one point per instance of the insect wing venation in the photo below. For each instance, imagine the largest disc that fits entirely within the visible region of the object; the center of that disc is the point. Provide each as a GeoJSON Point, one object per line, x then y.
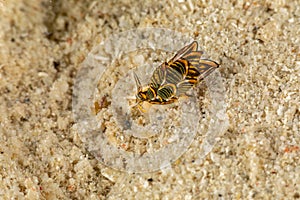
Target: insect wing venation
{"type": "Point", "coordinates": [206, 67]}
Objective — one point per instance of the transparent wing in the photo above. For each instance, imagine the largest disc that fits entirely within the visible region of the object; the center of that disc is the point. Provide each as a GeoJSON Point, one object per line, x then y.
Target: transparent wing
{"type": "Point", "coordinates": [159, 76]}
{"type": "Point", "coordinates": [183, 87]}
{"type": "Point", "coordinates": [176, 72]}
{"type": "Point", "coordinates": [195, 74]}
{"type": "Point", "coordinates": [205, 67]}
{"type": "Point", "coordinates": [185, 51]}
{"type": "Point", "coordinates": [193, 57]}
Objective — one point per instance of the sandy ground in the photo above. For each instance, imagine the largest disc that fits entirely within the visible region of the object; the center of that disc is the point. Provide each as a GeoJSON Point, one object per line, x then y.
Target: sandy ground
{"type": "Point", "coordinates": [43, 44]}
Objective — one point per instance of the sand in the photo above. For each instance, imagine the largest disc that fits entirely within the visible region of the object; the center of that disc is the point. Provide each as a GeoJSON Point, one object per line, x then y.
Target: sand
{"type": "Point", "coordinates": [44, 153]}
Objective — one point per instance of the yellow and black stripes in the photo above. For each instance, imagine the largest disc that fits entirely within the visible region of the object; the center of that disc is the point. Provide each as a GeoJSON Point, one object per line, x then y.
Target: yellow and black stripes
{"type": "Point", "coordinates": [173, 75]}
{"type": "Point", "coordinates": [174, 78]}
{"type": "Point", "coordinates": [166, 92]}
{"type": "Point", "coordinates": [181, 66]}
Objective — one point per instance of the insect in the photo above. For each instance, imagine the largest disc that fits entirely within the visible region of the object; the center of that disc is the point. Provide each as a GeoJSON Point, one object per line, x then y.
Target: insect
{"type": "Point", "coordinates": [174, 78]}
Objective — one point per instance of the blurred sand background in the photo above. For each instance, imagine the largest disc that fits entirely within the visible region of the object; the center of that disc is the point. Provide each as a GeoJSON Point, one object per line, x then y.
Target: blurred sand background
{"type": "Point", "coordinates": [42, 44]}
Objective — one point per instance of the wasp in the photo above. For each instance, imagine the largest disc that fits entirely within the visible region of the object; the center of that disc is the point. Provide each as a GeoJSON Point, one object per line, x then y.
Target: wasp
{"type": "Point", "coordinates": [174, 78]}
